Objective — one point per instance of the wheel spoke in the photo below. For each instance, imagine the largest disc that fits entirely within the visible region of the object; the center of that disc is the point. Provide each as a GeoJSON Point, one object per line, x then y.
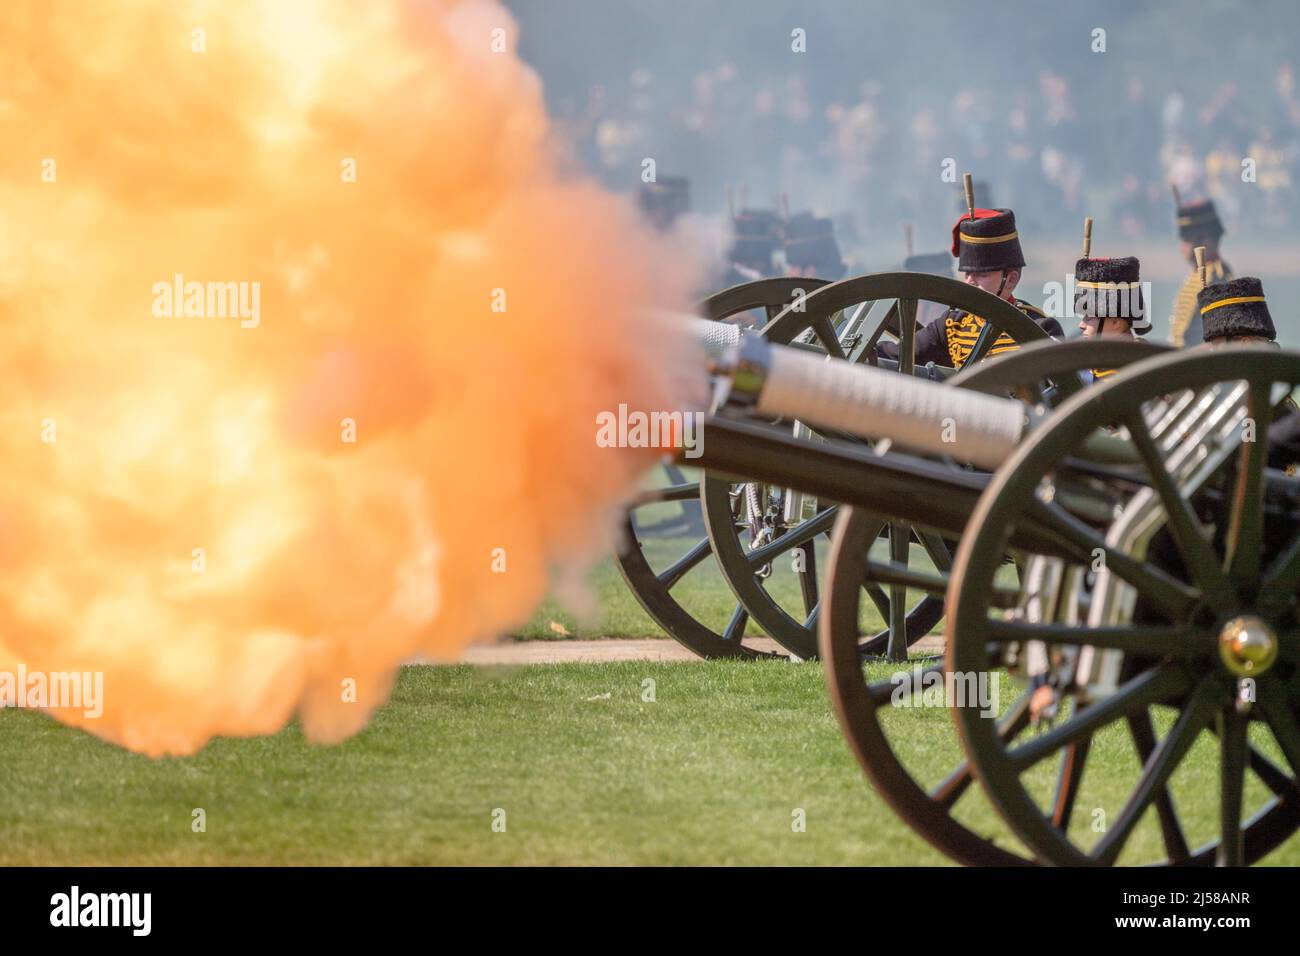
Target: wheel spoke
{"type": "Point", "coordinates": [1164, 760]}
{"type": "Point", "coordinates": [1282, 577]}
{"type": "Point", "coordinates": [808, 579]}
{"type": "Point", "coordinates": [1143, 639]}
{"type": "Point", "coordinates": [681, 492]}
{"type": "Point", "coordinates": [735, 630]}
{"type": "Point", "coordinates": [878, 598]}
{"type": "Point", "coordinates": [810, 622]}
{"type": "Point", "coordinates": [900, 540]}
{"type": "Point", "coordinates": [983, 342]}
{"type": "Point", "coordinates": [1193, 544]}
{"type": "Point", "coordinates": [682, 566]}
{"type": "Point", "coordinates": [1246, 524]}
{"type": "Point", "coordinates": [1074, 759]}
{"type": "Point", "coordinates": [1232, 778]}
{"type": "Point", "coordinates": [800, 534]}
{"type": "Point", "coordinates": [937, 550]}
{"type": "Point", "coordinates": [901, 574]}
{"type": "Point", "coordinates": [1272, 700]}
{"type": "Point", "coordinates": [826, 333]}
{"type": "Point", "coordinates": [1137, 693]}
{"type": "Point", "coordinates": [1143, 733]}
{"type": "Point", "coordinates": [893, 691]}
{"type": "Point", "coordinates": [1016, 719]}
{"type": "Point", "coordinates": [865, 350]}
{"type": "Point", "coordinates": [1269, 773]}
{"type": "Point", "coordinates": [906, 336]}
{"type": "Point", "coordinates": [1168, 594]}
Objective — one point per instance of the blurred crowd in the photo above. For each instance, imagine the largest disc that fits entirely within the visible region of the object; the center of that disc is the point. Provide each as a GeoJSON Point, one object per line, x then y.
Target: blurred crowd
{"type": "Point", "coordinates": [875, 156]}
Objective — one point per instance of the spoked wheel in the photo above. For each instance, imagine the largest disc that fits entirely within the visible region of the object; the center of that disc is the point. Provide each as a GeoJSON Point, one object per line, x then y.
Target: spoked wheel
{"type": "Point", "coordinates": [1163, 623]}
{"type": "Point", "coordinates": [666, 559]}
{"type": "Point", "coordinates": [754, 549]}
{"type": "Point", "coordinates": [682, 517]}
{"type": "Point", "coordinates": [880, 710]}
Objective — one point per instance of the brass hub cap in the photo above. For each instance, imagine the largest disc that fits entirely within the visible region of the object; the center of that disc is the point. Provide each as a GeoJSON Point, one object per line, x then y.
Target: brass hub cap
{"type": "Point", "coordinates": [1247, 646]}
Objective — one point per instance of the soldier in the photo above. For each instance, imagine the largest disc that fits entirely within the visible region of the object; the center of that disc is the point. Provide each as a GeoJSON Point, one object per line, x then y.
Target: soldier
{"type": "Point", "coordinates": [664, 200]}
{"type": "Point", "coordinates": [987, 248]}
{"type": "Point", "coordinates": [1235, 311]}
{"type": "Point", "coordinates": [1108, 301]}
{"type": "Point", "coordinates": [757, 235]}
{"type": "Point", "coordinates": [811, 249]}
{"type": "Point", "coordinates": [1198, 225]}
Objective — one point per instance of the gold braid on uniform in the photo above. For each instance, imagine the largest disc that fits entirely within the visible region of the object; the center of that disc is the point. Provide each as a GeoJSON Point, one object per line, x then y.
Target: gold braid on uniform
{"type": "Point", "coordinates": [1185, 302]}
{"type": "Point", "coordinates": [962, 330]}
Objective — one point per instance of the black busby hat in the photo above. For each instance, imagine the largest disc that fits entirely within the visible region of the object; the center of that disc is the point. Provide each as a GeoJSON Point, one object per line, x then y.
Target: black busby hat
{"type": "Point", "coordinates": [810, 241]}
{"type": "Point", "coordinates": [1199, 220]}
{"type": "Point", "coordinates": [935, 263]}
{"type": "Point", "coordinates": [758, 233]}
{"type": "Point", "coordinates": [987, 242]}
{"type": "Point", "coordinates": [666, 199]}
{"type": "Point", "coordinates": [1111, 289]}
{"type": "Point", "coordinates": [1233, 308]}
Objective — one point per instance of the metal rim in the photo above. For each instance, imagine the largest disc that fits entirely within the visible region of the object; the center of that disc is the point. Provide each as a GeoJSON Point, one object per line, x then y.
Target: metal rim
{"type": "Point", "coordinates": [1170, 663]}
{"type": "Point", "coordinates": [1029, 368]}
{"type": "Point", "coordinates": [799, 634]}
{"type": "Point", "coordinates": [859, 705]}
{"type": "Point", "coordinates": [653, 589]}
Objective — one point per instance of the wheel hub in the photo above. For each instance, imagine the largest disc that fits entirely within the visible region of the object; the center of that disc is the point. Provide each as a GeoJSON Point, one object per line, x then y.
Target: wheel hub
{"type": "Point", "coordinates": [1248, 646]}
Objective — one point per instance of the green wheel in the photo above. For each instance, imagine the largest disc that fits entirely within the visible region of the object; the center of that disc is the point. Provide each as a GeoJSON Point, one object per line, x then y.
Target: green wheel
{"type": "Point", "coordinates": [878, 723]}
{"type": "Point", "coordinates": [1164, 617]}
{"type": "Point", "coordinates": [667, 556]}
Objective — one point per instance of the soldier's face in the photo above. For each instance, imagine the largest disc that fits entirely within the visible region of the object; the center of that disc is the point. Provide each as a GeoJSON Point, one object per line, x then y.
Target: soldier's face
{"type": "Point", "coordinates": [992, 281]}
{"type": "Point", "coordinates": [1092, 328]}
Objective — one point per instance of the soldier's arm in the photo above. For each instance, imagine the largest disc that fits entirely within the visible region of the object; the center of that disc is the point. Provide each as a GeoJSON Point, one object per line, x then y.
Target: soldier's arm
{"type": "Point", "coordinates": [1045, 322]}
{"type": "Point", "coordinates": [931, 345]}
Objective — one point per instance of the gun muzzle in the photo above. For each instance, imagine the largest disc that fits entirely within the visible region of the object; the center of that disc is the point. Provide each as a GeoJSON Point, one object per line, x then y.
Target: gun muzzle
{"type": "Point", "coordinates": [774, 381]}
{"type": "Point", "coordinates": [718, 338]}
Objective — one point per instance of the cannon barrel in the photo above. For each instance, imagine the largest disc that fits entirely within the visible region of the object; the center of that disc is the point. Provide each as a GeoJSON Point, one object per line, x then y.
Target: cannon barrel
{"type": "Point", "coordinates": [718, 338]}
{"type": "Point", "coordinates": [772, 381]}
{"type": "Point", "coordinates": [930, 494]}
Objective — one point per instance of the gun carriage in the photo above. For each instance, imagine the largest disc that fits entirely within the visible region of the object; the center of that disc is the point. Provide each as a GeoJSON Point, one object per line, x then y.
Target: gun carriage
{"type": "Point", "coordinates": [750, 524]}
{"type": "Point", "coordinates": [1158, 555]}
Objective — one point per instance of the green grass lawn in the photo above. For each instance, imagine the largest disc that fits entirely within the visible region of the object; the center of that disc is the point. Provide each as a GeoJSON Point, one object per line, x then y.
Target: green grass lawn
{"type": "Point", "coordinates": [709, 773]}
